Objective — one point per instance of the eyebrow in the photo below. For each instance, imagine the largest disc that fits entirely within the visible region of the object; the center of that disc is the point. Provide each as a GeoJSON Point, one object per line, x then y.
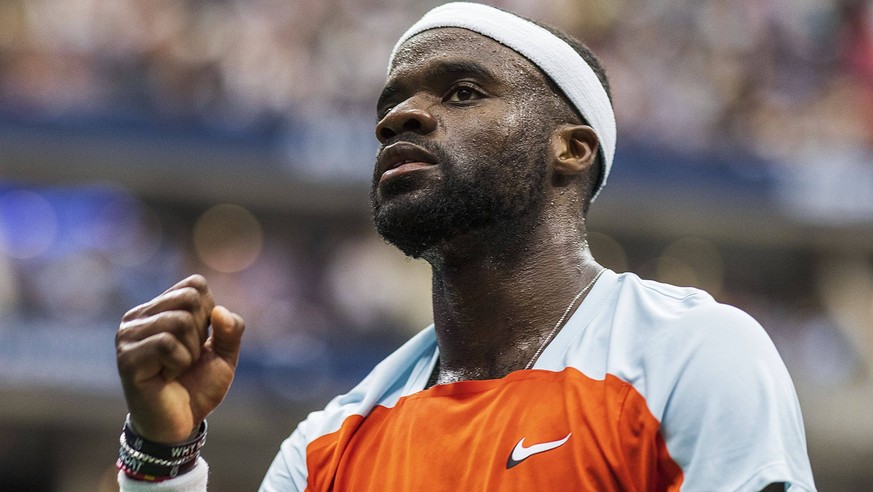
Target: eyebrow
{"type": "Point", "coordinates": [439, 71]}
{"type": "Point", "coordinates": [461, 67]}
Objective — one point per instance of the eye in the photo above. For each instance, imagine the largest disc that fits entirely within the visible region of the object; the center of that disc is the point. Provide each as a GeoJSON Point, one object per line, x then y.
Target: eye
{"type": "Point", "coordinates": [383, 113]}
{"type": "Point", "coordinates": [463, 93]}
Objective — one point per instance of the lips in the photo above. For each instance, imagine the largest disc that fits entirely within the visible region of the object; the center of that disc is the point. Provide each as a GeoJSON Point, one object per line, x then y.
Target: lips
{"type": "Point", "coordinates": [401, 158]}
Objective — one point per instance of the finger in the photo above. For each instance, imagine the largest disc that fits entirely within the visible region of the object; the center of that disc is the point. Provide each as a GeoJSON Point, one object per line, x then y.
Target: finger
{"type": "Point", "coordinates": [197, 281]}
{"type": "Point", "coordinates": [186, 298]}
{"type": "Point", "coordinates": [183, 299]}
{"type": "Point", "coordinates": [161, 354]}
{"type": "Point", "coordinates": [191, 292]}
{"type": "Point", "coordinates": [180, 324]}
{"type": "Point", "coordinates": [227, 332]}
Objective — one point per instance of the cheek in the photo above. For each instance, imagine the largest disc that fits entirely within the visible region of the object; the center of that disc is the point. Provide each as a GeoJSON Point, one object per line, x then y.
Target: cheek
{"type": "Point", "coordinates": [493, 132]}
{"type": "Point", "coordinates": [523, 131]}
{"type": "Point", "coordinates": [513, 123]}
{"type": "Point", "coordinates": [496, 134]}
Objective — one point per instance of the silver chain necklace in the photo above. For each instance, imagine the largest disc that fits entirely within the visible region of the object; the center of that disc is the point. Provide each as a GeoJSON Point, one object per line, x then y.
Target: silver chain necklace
{"type": "Point", "coordinates": [561, 320]}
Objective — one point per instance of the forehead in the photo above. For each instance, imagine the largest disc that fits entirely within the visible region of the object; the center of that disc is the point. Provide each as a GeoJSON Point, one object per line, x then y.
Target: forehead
{"type": "Point", "coordinates": [450, 45]}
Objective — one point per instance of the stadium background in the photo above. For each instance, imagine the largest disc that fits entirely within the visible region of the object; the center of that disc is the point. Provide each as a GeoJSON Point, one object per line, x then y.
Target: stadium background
{"type": "Point", "coordinates": [141, 141]}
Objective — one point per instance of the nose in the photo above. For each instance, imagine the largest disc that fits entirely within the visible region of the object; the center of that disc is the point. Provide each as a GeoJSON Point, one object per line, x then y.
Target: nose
{"type": "Point", "coordinates": [405, 118]}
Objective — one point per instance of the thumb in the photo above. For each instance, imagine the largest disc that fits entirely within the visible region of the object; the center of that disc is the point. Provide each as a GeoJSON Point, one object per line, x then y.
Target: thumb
{"type": "Point", "coordinates": [227, 331]}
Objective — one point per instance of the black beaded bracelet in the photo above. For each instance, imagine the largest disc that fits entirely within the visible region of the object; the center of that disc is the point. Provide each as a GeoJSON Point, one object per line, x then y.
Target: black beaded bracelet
{"type": "Point", "coordinates": [150, 472]}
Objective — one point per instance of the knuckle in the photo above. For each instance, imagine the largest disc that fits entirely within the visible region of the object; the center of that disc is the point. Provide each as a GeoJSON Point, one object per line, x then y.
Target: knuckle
{"type": "Point", "coordinates": [190, 297]}
{"type": "Point", "coordinates": [131, 314]}
{"type": "Point", "coordinates": [185, 319]}
{"type": "Point", "coordinates": [132, 330]}
{"type": "Point", "coordinates": [127, 331]}
{"type": "Point", "coordinates": [165, 343]}
{"type": "Point", "coordinates": [123, 359]}
{"type": "Point", "coordinates": [180, 322]}
{"type": "Point", "coordinates": [198, 282]}
{"type": "Point", "coordinates": [186, 331]}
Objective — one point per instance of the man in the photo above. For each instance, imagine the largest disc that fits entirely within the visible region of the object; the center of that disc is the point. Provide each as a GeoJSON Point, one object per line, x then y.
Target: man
{"type": "Point", "coordinates": [543, 370]}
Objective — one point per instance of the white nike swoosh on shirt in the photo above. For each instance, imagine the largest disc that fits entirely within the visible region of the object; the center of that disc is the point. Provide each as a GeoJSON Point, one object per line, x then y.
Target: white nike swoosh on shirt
{"type": "Point", "coordinates": [521, 453]}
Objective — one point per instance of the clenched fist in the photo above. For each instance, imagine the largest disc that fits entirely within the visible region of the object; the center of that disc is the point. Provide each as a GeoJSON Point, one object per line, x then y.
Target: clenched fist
{"type": "Point", "coordinates": [174, 372]}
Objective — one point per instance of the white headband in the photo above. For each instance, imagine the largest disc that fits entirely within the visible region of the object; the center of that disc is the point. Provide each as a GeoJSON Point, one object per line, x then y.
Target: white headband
{"type": "Point", "coordinates": [557, 59]}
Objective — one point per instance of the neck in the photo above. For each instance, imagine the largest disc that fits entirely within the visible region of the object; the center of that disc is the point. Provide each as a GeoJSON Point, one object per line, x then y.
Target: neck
{"type": "Point", "coordinates": [495, 306]}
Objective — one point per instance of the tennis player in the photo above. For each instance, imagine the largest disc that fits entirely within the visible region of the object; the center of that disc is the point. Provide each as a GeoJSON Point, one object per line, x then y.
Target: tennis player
{"type": "Point", "coordinates": [543, 370]}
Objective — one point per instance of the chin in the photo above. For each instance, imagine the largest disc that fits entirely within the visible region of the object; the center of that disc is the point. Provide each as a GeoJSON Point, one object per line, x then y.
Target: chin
{"type": "Point", "coordinates": [406, 231]}
{"type": "Point", "coordinates": [422, 216]}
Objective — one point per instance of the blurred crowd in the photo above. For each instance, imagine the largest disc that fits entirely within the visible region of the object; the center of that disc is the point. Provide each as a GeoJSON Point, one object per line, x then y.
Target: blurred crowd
{"type": "Point", "coordinates": [779, 77]}
{"type": "Point", "coordinates": [783, 79]}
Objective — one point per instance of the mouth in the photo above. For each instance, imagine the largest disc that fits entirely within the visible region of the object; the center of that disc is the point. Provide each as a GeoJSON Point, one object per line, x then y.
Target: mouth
{"type": "Point", "coordinates": [402, 158]}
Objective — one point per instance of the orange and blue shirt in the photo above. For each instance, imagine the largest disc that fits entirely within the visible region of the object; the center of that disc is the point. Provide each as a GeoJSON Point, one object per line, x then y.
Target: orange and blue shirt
{"type": "Point", "coordinates": [647, 387]}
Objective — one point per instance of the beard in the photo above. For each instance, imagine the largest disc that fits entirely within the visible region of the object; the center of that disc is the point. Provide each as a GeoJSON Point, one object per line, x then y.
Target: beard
{"type": "Point", "coordinates": [500, 194]}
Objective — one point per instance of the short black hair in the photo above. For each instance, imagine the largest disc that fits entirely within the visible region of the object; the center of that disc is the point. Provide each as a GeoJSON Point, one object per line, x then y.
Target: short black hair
{"type": "Point", "coordinates": [599, 70]}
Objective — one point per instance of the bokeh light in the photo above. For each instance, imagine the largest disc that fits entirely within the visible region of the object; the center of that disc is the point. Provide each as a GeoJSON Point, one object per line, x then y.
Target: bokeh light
{"type": "Point", "coordinates": [28, 224]}
{"type": "Point", "coordinates": [109, 219]}
{"type": "Point", "coordinates": [228, 238]}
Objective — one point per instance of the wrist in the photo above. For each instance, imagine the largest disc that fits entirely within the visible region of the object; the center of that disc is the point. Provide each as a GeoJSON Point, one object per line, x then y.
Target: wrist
{"type": "Point", "coordinates": [161, 435]}
{"type": "Point", "coordinates": [143, 459]}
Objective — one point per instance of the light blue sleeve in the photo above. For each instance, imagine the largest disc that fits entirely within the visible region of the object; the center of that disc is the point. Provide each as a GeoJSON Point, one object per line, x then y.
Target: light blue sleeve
{"type": "Point", "coordinates": [731, 418]}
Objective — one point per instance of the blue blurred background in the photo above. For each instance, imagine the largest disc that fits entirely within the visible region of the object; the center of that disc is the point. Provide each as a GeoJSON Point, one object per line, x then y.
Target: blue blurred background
{"type": "Point", "coordinates": [145, 140]}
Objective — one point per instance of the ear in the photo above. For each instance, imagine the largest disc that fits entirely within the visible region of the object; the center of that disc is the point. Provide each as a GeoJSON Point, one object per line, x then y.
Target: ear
{"type": "Point", "coordinates": [574, 149]}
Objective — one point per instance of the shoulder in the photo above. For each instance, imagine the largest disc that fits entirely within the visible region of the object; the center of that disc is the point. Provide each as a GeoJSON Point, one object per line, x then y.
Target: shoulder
{"type": "Point", "coordinates": [646, 333]}
{"type": "Point", "coordinates": [664, 339]}
{"type": "Point", "coordinates": [665, 302]}
{"type": "Point", "coordinates": [666, 314]}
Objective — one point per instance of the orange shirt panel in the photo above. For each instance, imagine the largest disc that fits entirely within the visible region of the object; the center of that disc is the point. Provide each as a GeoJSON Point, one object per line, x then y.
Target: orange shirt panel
{"type": "Point", "coordinates": [461, 436]}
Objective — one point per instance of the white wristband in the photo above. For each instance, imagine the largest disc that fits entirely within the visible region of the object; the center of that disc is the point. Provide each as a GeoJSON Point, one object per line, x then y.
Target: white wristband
{"type": "Point", "coordinates": [193, 481]}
